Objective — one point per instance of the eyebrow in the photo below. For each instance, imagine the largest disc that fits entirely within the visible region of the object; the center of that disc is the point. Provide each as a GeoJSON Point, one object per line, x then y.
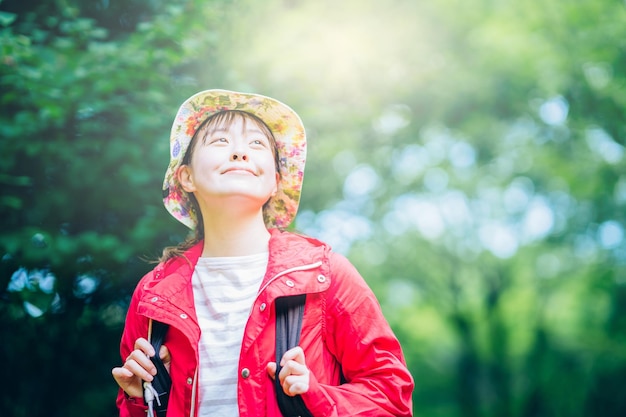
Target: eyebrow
{"type": "Point", "coordinates": [226, 129]}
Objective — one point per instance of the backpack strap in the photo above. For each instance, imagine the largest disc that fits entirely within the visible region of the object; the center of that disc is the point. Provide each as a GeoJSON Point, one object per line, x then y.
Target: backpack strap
{"type": "Point", "coordinates": [289, 312]}
{"type": "Point", "coordinates": [157, 393]}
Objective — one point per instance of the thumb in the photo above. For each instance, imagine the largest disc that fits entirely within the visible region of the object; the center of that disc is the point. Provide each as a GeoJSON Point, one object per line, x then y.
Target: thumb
{"type": "Point", "coordinates": [271, 369]}
{"type": "Point", "coordinates": [164, 354]}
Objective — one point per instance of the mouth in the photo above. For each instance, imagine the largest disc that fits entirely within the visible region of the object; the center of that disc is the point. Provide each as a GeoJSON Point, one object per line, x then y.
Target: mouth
{"type": "Point", "coordinates": [239, 171]}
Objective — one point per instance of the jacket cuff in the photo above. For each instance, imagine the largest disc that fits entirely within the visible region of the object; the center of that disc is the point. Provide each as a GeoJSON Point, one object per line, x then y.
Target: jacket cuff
{"type": "Point", "coordinates": [135, 405]}
{"type": "Point", "coordinates": [316, 399]}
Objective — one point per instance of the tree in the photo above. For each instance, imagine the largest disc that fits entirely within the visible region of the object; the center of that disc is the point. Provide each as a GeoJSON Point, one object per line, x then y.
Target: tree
{"type": "Point", "coordinates": [84, 123]}
{"type": "Point", "coordinates": [481, 152]}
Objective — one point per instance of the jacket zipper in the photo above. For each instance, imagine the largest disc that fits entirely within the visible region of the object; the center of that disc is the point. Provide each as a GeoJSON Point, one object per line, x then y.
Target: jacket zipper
{"type": "Point", "coordinates": [194, 387]}
{"type": "Point", "coordinates": [287, 271]}
{"type": "Point", "coordinates": [194, 394]}
{"type": "Point", "coordinates": [194, 390]}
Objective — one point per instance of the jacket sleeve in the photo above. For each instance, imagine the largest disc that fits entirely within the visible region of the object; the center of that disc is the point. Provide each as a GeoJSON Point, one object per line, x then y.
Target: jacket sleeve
{"type": "Point", "coordinates": [378, 381]}
{"type": "Point", "coordinates": [135, 326]}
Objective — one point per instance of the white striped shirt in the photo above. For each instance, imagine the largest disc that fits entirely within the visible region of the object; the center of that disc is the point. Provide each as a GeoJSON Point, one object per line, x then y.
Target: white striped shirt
{"type": "Point", "coordinates": [224, 289]}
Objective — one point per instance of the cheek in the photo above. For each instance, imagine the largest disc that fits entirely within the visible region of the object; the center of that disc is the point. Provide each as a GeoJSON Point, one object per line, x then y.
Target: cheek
{"type": "Point", "coordinates": [274, 186]}
{"type": "Point", "coordinates": [205, 158]}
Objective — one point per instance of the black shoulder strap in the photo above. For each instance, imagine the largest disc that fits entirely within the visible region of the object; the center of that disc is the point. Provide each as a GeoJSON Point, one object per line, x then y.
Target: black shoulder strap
{"type": "Point", "coordinates": [162, 382]}
{"type": "Point", "coordinates": [289, 311]}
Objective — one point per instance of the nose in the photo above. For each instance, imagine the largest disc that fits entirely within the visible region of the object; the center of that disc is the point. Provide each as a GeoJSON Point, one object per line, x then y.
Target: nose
{"type": "Point", "coordinates": [239, 156]}
{"type": "Point", "coordinates": [238, 148]}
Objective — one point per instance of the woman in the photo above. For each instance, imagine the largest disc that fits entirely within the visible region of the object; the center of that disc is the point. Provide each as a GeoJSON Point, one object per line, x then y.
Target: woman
{"type": "Point", "coordinates": [235, 177]}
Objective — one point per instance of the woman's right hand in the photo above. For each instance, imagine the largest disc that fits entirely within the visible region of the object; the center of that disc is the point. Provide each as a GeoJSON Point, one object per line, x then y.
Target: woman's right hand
{"type": "Point", "coordinates": [138, 368]}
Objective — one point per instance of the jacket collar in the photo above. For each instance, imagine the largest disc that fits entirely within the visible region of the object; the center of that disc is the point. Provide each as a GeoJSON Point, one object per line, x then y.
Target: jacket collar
{"type": "Point", "coordinates": [288, 251]}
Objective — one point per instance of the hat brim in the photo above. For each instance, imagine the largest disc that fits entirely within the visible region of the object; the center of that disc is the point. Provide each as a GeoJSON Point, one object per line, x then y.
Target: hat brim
{"type": "Point", "coordinates": [286, 127]}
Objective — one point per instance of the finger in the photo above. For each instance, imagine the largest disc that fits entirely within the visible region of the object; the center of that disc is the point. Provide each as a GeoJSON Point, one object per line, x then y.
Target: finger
{"type": "Point", "coordinates": [293, 354]}
{"type": "Point", "coordinates": [139, 358]}
{"type": "Point", "coordinates": [122, 374]}
{"type": "Point", "coordinates": [271, 369]}
{"type": "Point", "coordinates": [296, 384]}
{"type": "Point", "coordinates": [141, 370]}
{"type": "Point", "coordinates": [127, 381]}
{"type": "Point", "coordinates": [298, 388]}
{"type": "Point", "coordinates": [292, 368]}
{"type": "Point", "coordinates": [144, 346]}
{"type": "Point", "coordinates": [164, 354]}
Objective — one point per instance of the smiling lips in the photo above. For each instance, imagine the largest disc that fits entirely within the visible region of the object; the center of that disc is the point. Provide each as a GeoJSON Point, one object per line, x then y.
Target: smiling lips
{"type": "Point", "coordinates": [239, 170]}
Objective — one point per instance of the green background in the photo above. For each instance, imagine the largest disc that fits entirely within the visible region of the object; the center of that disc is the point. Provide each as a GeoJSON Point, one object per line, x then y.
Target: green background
{"type": "Point", "coordinates": [467, 156]}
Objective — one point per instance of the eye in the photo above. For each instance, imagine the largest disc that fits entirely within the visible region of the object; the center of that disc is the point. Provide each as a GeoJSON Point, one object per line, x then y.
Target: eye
{"type": "Point", "coordinates": [258, 143]}
{"type": "Point", "coordinates": [218, 140]}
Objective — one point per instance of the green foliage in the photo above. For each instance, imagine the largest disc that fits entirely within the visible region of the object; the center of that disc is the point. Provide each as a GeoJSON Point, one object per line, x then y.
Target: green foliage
{"type": "Point", "coordinates": [84, 122]}
{"type": "Point", "coordinates": [468, 157]}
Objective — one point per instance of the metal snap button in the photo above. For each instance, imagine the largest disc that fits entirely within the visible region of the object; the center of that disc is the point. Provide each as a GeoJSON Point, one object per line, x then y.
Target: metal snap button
{"type": "Point", "coordinates": [290, 283]}
{"type": "Point", "coordinates": [183, 316]}
{"type": "Point", "coordinates": [245, 373]}
{"type": "Point", "coordinates": [262, 307]}
{"type": "Point", "coordinates": [321, 278]}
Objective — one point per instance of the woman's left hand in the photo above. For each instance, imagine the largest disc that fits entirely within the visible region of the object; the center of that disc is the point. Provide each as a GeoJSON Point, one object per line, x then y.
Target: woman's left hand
{"type": "Point", "coordinates": [294, 375]}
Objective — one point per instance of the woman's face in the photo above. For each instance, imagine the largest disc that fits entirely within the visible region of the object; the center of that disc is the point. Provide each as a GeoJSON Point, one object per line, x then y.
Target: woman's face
{"type": "Point", "coordinates": [233, 161]}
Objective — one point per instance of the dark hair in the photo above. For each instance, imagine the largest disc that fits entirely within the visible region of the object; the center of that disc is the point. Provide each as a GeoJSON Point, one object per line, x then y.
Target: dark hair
{"type": "Point", "coordinates": [223, 118]}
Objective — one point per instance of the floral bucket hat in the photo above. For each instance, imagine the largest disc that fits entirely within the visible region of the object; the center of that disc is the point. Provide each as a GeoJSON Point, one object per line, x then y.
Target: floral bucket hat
{"type": "Point", "coordinates": [290, 137]}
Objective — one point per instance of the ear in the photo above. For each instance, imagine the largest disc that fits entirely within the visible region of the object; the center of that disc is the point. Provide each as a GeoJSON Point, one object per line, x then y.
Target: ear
{"type": "Point", "coordinates": [185, 178]}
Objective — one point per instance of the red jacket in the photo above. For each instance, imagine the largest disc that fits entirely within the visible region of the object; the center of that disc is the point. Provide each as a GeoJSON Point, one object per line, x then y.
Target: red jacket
{"type": "Point", "coordinates": [343, 331]}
